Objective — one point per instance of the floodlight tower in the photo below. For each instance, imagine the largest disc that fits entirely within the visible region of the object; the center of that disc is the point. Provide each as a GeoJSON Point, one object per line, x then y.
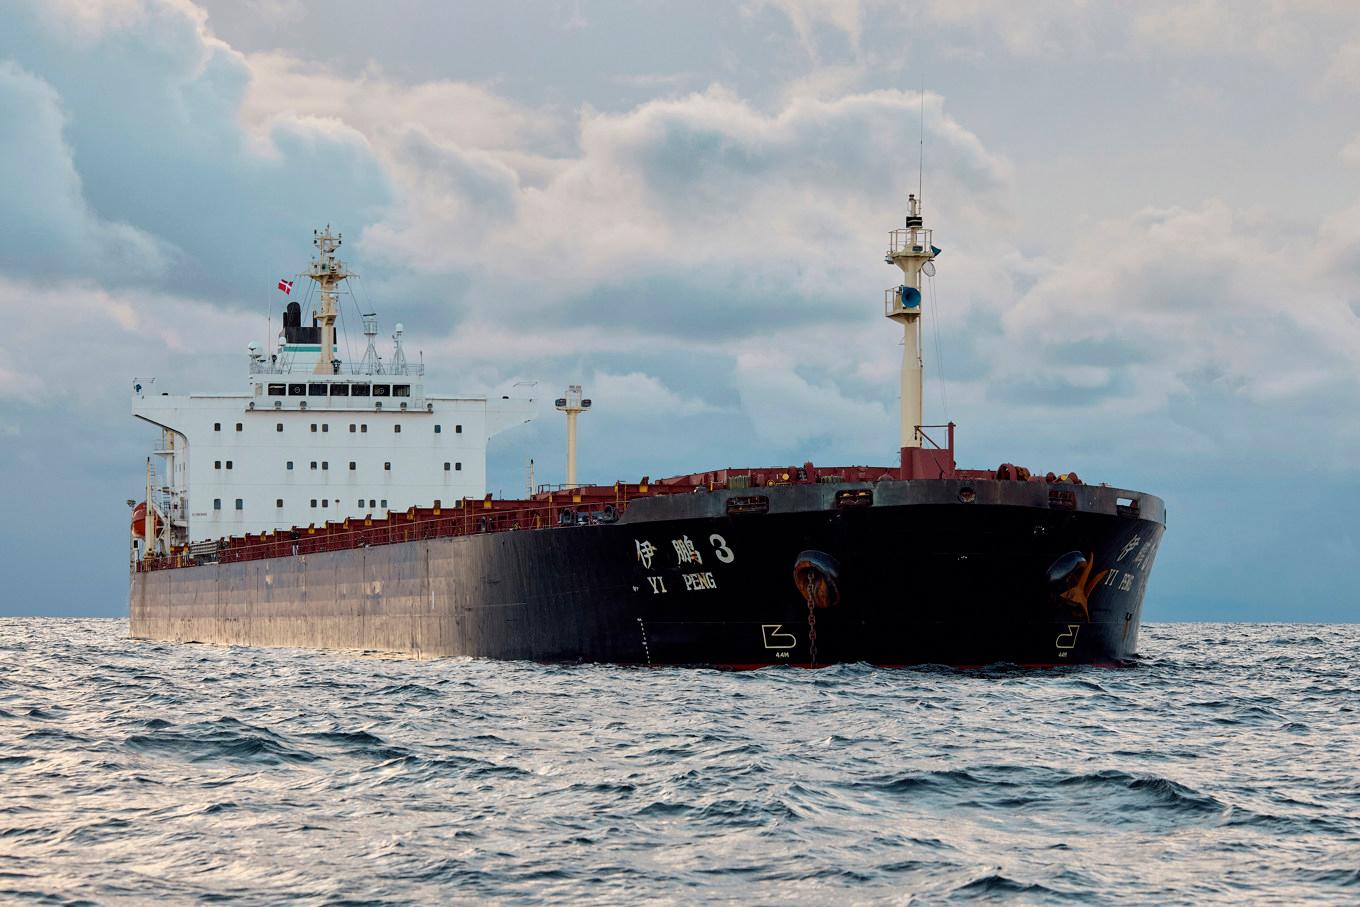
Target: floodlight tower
{"type": "Point", "coordinates": [572, 404]}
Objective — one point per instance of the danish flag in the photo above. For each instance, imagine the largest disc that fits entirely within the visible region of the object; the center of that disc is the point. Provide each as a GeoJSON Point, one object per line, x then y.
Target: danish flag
{"type": "Point", "coordinates": [286, 286]}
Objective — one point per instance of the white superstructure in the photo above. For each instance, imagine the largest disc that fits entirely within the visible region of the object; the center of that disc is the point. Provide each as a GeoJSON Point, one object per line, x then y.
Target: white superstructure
{"type": "Point", "coordinates": [313, 438]}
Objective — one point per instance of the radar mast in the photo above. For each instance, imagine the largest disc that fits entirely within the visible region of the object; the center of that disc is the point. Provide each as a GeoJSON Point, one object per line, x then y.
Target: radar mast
{"type": "Point", "coordinates": [327, 271]}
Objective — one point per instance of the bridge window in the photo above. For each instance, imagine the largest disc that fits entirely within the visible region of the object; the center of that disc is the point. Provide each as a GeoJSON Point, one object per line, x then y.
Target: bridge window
{"type": "Point", "coordinates": [401, 390]}
{"type": "Point", "coordinates": [297, 390]}
{"type": "Point", "coordinates": [278, 390]}
{"type": "Point", "coordinates": [316, 390]}
{"type": "Point", "coordinates": [339, 390]}
{"type": "Point", "coordinates": [358, 390]}
{"type": "Point", "coordinates": [382, 390]}
{"type": "Point", "coordinates": [217, 503]}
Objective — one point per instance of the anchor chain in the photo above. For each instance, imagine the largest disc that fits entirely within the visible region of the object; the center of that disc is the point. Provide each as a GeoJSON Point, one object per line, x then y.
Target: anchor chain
{"type": "Point", "coordinates": [812, 631]}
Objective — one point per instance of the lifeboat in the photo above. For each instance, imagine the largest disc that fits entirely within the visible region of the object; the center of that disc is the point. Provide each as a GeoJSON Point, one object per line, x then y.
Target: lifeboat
{"type": "Point", "coordinates": [139, 520]}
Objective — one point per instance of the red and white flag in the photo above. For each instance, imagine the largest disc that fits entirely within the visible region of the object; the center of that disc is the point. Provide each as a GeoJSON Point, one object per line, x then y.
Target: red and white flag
{"type": "Point", "coordinates": [286, 286]}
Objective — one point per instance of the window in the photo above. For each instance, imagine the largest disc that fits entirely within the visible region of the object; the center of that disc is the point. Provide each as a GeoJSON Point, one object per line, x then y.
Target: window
{"type": "Point", "coordinates": [384, 503]}
{"type": "Point", "coordinates": [240, 504]}
{"type": "Point", "coordinates": [325, 464]}
{"type": "Point", "coordinates": [278, 426]}
{"type": "Point", "coordinates": [313, 426]}
{"type": "Point", "coordinates": [325, 502]}
{"type": "Point", "coordinates": [278, 502]}
{"type": "Point", "coordinates": [325, 426]}
{"type": "Point", "coordinates": [297, 390]}
{"type": "Point", "coordinates": [238, 426]}
{"type": "Point", "coordinates": [371, 503]}
{"type": "Point", "coordinates": [387, 466]}
{"type": "Point", "coordinates": [217, 464]}
{"type": "Point", "coordinates": [290, 464]}
{"type": "Point", "coordinates": [396, 429]}
{"type": "Point", "coordinates": [457, 467]}
{"type": "Point", "coordinates": [361, 503]}
{"type": "Point", "coordinates": [217, 426]}
{"type": "Point", "coordinates": [447, 466]}
{"type": "Point", "coordinates": [436, 429]}
{"type": "Point", "coordinates": [217, 503]}
{"type": "Point", "coordinates": [358, 390]}
{"type": "Point", "coordinates": [363, 428]}
{"type": "Point", "coordinates": [458, 429]}
{"type": "Point", "coordinates": [316, 390]}
{"type": "Point", "coordinates": [339, 390]}
{"type": "Point", "coordinates": [352, 466]}
{"type": "Point", "coordinates": [314, 464]}
{"type": "Point", "coordinates": [313, 502]}
{"type": "Point", "coordinates": [382, 390]}
{"type": "Point", "coordinates": [401, 390]}
{"type": "Point", "coordinates": [229, 464]}
{"type": "Point", "coordinates": [278, 390]}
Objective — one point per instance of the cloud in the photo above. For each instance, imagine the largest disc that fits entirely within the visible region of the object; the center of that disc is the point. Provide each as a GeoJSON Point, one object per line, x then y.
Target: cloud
{"type": "Point", "coordinates": [1350, 153]}
{"type": "Point", "coordinates": [133, 120]}
{"type": "Point", "coordinates": [641, 395]}
{"type": "Point", "coordinates": [1344, 69]}
{"type": "Point", "coordinates": [806, 16]}
{"type": "Point", "coordinates": [706, 262]}
{"type": "Point", "coordinates": [673, 187]}
{"type": "Point", "coordinates": [1208, 305]}
{"type": "Point", "coordinates": [48, 223]}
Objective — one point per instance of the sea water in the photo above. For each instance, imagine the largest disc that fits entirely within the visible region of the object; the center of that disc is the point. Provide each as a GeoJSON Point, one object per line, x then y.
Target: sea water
{"type": "Point", "coordinates": [1223, 767]}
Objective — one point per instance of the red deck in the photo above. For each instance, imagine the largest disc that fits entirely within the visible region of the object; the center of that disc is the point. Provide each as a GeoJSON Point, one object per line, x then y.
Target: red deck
{"type": "Point", "coordinates": [572, 506]}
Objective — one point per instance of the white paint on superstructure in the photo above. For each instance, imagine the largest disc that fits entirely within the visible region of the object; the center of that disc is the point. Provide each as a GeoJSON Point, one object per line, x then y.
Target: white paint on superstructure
{"type": "Point", "coordinates": [315, 439]}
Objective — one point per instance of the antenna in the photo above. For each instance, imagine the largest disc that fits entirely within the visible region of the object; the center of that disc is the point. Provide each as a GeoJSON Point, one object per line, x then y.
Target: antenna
{"type": "Point", "coordinates": [921, 147]}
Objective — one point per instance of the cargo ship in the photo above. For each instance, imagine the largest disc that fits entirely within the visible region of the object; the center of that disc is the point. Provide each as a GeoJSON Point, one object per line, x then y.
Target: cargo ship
{"type": "Point", "coordinates": [341, 505]}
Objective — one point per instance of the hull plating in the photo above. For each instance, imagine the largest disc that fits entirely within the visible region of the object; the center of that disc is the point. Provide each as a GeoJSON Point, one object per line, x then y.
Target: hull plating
{"type": "Point", "coordinates": [915, 578]}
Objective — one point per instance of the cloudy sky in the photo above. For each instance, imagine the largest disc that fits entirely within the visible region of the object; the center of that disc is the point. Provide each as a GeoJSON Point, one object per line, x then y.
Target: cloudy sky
{"type": "Point", "coordinates": [1150, 214]}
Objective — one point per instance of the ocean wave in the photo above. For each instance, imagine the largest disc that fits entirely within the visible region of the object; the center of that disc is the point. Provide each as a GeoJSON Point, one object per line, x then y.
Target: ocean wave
{"type": "Point", "coordinates": [1219, 768]}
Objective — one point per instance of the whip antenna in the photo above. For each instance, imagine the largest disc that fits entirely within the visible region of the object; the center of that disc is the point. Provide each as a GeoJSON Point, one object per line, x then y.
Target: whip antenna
{"type": "Point", "coordinates": [921, 146]}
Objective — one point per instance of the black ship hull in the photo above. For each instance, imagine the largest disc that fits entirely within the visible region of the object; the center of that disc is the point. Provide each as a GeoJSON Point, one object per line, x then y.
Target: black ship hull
{"type": "Point", "coordinates": [891, 573]}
